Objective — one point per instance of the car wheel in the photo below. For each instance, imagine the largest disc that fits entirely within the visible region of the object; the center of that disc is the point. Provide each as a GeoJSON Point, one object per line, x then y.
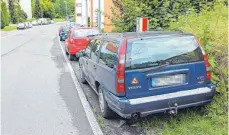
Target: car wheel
{"type": "Point", "coordinates": [70, 57]}
{"type": "Point", "coordinates": [105, 110]}
{"type": "Point", "coordinates": [82, 78]}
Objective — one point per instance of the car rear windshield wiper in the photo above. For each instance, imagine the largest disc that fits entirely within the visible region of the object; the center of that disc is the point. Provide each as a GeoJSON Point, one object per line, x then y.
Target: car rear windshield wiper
{"type": "Point", "coordinates": [155, 67]}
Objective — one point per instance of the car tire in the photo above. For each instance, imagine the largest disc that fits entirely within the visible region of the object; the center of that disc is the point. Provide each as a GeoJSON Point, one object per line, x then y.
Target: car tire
{"type": "Point", "coordinates": [82, 78]}
{"type": "Point", "coordinates": [71, 57]}
{"type": "Point", "coordinates": [104, 108]}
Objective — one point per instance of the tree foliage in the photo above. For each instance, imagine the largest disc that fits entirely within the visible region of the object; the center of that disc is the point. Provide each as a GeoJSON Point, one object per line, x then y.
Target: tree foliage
{"type": "Point", "coordinates": [16, 13]}
{"type": "Point", "coordinates": [36, 9]}
{"type": "Point", "coordinates": [160, 12]}
{"type": "Point", "coordinates": [21, 15]}
{"type": "Point", "coordinates": [53, 8]}
{"type": "Point", "coordinates": [12, 10]}
{"type": "Point", "coordinates": [4, 15]}
{"type": "Point", "coordinates": [48, 9]}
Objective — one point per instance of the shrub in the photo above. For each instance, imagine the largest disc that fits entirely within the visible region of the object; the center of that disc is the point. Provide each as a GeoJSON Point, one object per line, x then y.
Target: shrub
{"type": "Point", "coordinates": [210, 26]}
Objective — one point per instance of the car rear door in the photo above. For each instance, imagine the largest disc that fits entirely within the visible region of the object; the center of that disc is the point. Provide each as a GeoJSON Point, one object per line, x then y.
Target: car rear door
{"type": "Point", "coordinates": [163, 65]}
{"type": "Point", "coordinates": [93, 60]}
{"type": "Point", "coordinates": [106, 68]}
{"type": "Point", "coordinates": [85, 66]}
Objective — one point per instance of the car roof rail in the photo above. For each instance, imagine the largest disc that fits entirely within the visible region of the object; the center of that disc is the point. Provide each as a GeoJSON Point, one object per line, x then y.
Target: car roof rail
{"type": "Point", "coordinates": [168, 29]}
{"type": "Point", "coordinates": [151, 32]}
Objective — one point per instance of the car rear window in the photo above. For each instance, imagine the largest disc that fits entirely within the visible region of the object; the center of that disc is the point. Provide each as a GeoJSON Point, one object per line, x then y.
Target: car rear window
{"type": "Point", "coordinates": [152, 52]}
{"type": "Point", "coordinates": [84, 32]}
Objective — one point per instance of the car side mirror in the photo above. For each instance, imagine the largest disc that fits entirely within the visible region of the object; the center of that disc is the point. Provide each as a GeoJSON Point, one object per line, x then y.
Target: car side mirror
{"type": "Point", "coordinates": [80, 54]}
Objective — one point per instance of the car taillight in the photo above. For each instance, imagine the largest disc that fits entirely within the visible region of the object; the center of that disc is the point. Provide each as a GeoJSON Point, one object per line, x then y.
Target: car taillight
{"type": "Point", "coordinates": [207, 64]}
{"type": "Point", "coordinates": [120, 72]}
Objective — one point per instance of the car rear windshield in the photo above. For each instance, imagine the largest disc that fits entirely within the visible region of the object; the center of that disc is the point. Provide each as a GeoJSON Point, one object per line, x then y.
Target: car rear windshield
{"type": "Point", "coordinates": [153, 52]}
{"type": "Point", "coordinates": [84, 32]}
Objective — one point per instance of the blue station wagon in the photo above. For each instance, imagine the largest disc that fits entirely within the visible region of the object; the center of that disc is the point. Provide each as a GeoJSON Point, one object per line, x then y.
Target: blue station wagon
{"type": "Point", "coordinates": [137, 74]}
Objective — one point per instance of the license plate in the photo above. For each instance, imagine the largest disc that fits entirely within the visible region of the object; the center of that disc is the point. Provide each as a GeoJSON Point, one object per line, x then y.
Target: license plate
{"type": "Point", "coordinates": [168, 80]}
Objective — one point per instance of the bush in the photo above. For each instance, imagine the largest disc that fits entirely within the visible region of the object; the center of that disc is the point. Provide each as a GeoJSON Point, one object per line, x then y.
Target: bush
{"type": "Point", "coordinates": [211, 28]}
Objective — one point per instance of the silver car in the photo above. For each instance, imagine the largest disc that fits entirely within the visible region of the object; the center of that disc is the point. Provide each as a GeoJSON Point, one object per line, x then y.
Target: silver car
{"type": "Point", "coordinates": [21, 26]}
{"type": "Point", "coordinates": [34, 23]}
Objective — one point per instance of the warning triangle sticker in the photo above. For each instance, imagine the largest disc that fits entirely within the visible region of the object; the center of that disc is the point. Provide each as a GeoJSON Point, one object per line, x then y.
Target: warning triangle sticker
{"type": "Point", "coordinates": [134, 81]}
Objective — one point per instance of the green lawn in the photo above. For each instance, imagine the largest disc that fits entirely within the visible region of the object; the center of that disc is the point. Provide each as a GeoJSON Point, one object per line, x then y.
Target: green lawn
{"type": "Point", "coordinates": [9, 28]}
{"type": "Point", "coordinates": [58, 19]}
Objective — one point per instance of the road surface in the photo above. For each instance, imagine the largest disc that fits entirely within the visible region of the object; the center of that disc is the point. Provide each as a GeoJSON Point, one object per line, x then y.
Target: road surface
{"type": "Point", "coordinates": [38, 94]}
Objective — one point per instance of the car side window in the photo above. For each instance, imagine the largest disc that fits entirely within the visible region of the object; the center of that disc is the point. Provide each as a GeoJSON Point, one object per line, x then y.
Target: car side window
{"type": "Point", "coordinates": [88, 49]}
{"type": "Point", "coordinates": [108, 54]}
{"type": "Point", "coordinates": [95, 50]}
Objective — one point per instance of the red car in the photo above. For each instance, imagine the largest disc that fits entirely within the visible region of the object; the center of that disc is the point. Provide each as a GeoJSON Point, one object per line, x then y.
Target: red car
{"type": "Point", "coordinates": [78, 39]}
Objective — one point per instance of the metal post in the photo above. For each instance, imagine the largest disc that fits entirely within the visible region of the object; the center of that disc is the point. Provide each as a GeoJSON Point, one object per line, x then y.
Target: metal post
{"type": "Point", "coordinates": [99, 16]}
{"type": "Point", "coordinates": [86, 14]}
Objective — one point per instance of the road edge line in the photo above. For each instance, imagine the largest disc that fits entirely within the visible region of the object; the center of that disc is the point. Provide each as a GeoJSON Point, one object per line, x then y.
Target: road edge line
{"type": "Point", "coordinates": [87, 109]}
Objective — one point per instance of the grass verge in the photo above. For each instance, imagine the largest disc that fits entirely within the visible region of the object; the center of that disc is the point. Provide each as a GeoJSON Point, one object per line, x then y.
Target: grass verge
{"type": "Point", "coordinates": [192, 121]}
{"type": "Point", "coordinates": [9, 28]}
{"type": "Point", "coordinates": [58, 19]}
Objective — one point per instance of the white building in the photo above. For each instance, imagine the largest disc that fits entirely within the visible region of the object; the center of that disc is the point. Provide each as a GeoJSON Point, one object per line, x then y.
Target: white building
{"type": "Point", "coordinates": [26, 5]}
{"type": "Point", "coordinates": [81, 11]}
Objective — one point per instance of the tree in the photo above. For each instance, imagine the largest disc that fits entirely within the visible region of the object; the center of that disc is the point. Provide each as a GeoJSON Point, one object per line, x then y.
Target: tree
{"type": "Point", "coordinates": [4, 15]}
{"type": "Point", "coordinates": [48, 9]}
{"type": "Point", "coordinates": [2, 20]}
{"type": "Point", "coordinates": [160, 12]}
{"type": "Point", "coordinates": [125, 13]}
{"type": "Point", "coordinates": [22, 16]}
{"type": "Point", "coordinates": [12, 10]}
{"type": "Point", "coordinates": [37, 12]}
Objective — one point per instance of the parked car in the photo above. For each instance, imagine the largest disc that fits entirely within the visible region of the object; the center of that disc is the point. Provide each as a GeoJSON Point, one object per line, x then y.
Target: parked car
{"type": "Point", "coordinates": [77, 40]}
{"type": "Point", "coordinates": [60, 29]}
{"type": "Point", "coordinates": [64, 33]}
{"type": "Point", "coordinates": [49, 21]}
{"type": "Point", "coordinates": [27, 25]}
{"type": "Point", "coordinates": [52, 22]}
{"type": "Point", "coordinates": [137, 74]}
{"type": "Point", "coordinates": [30, 24]}
{"type": "Point", "coordinates": [34, 23]}
{"type": "Point", "coordinates": [45, 21]}
{"type": "Point", "coordinates": [74, 25]}
{"type": "Point", "coordinates": [39, 21]}
{"type": "Point", "coordinates": [21, 26]}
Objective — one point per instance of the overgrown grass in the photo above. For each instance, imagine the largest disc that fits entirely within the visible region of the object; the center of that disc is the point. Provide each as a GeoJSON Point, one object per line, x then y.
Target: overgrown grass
{"type": "Point", "coordinates": [211, 28]}
{"type": "Point", "coordinates": [58, 19]}
{"type": "Point", "coordinates": [9, 28]}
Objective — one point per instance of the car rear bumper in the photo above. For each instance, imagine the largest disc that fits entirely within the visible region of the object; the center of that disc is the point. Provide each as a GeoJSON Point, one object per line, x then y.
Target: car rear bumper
{"type": "Point", "coordinates": [160, 103]}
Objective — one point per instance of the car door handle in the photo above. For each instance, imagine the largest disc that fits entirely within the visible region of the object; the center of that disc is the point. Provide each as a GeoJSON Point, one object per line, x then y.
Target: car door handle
{"type": "Point", "coordinates": [94, 66]}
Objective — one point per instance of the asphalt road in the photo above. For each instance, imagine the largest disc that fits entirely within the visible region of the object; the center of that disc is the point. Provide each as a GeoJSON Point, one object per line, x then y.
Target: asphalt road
{"type": "Point", "coordinates": [38, 94]}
